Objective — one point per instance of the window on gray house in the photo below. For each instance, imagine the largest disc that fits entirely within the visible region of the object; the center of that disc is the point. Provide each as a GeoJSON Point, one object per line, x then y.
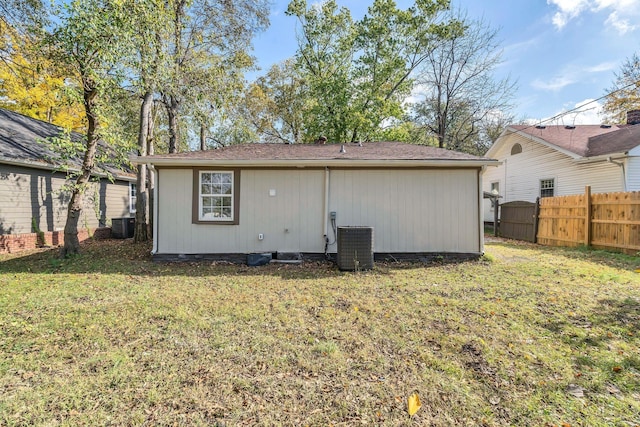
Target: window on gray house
{"type": "Point", "coordinates": [133, 192]}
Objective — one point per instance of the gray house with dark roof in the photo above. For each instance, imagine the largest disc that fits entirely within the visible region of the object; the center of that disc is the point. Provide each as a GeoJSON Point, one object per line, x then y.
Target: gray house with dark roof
{"type": "Point", "coordinates": [32, 197]}
{"type": "Point", "coordinates": [256, 198]}
{"type": "Point", "coordinates": [542, 161]}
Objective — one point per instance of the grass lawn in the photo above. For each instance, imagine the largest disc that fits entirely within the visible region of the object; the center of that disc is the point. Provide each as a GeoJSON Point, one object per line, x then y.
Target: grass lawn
{"type": "Point", "coordinates": [527, 336]}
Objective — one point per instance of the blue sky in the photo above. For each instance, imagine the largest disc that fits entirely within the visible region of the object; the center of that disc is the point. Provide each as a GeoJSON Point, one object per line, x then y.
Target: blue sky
{"type": "Point", "coordinates": [563, 53]}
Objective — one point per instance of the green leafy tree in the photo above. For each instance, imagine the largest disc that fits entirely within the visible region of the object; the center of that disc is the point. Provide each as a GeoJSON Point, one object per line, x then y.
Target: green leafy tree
{"type": "Point", "coordinates": [207, 37]}
{"type": "Point", "coordinates": [90, 40]}
{"type": "Point", "coordinates": [624, 93]}
{"type": "Point", "coordinates": [275, 104]}
{"type": "Point", "coordinates": [359, 73]}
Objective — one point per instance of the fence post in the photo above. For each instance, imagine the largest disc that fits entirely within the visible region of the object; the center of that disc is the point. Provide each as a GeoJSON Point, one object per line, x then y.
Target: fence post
{"type": "Point", "coordinates": [496, 216]}
{"type": "Point", "coordinates": [587, 220]}
{"type": "Point", "coordinates": [536, 216]}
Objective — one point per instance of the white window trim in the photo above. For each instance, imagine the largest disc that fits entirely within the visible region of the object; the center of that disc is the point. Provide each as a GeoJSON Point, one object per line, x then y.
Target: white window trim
{"type": "Point", "coordinates": [132, 200]}
{"type": "Point", "coordinates": [555, 189]}
{"type": "Point", "coordinates": [232, 196]}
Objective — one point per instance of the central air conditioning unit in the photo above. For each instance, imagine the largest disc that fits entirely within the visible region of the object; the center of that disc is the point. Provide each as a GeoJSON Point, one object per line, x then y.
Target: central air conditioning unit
{"type": "Point", "coordinates": [355, 248]}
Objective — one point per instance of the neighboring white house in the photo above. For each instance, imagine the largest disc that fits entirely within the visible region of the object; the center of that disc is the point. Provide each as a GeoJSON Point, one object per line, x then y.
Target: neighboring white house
{"type": "Point", "coordinates": [254, 198]}
{"type": "Point", "coordinates": [542, 161]}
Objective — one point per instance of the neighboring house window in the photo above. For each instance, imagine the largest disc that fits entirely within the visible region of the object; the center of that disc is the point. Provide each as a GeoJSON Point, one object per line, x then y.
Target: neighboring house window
{"type": "Point", "coordinates": [547, 187]}
{"type": "Point", "coordinates": [216, 196]}
{"type": "Point", "coordinates": [133, 193]}
{"type": "Point", "coordinates": [495, 189]}
{"type": "Point", "coordinates": [516, 149]}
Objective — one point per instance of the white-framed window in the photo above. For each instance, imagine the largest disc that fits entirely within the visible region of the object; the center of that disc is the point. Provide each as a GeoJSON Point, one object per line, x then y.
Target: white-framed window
{"type": "Point", "coordinates": [216, 196]}
{"type": "Point", "coordinates": [133, 193]}
{"type": "Point", "coordinates": [547, 187]}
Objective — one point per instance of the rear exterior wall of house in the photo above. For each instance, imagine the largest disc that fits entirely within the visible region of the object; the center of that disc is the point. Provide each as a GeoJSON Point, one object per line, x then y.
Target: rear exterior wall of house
{"type": "Point", "coordinates": [410, 210]}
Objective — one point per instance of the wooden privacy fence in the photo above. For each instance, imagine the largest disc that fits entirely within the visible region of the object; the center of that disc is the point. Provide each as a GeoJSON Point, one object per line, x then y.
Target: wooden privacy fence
{"type": "Point", "coordinates": [604, 221]}
{"type": "Point", "coordinates": [518, 220]}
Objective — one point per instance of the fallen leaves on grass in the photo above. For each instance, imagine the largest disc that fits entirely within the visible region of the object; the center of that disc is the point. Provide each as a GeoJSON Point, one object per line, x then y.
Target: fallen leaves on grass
{"type": "Point", "coordinates": [413, 404]}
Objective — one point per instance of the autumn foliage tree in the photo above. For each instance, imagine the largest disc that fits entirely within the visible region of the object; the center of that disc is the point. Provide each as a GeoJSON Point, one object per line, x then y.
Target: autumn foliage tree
{"type": "Point", "coordinates": [624, 93]}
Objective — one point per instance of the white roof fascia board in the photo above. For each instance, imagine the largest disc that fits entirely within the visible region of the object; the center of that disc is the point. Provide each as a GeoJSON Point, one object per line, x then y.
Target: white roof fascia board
{"type": "Point", "coordinates": [499, 142]}
{"type": "Point", "coordinates": [540, 141]}
{"type": "Point", "coordinates": [292, 163]}
{"type": "Point", "coordinates": [602, 158]}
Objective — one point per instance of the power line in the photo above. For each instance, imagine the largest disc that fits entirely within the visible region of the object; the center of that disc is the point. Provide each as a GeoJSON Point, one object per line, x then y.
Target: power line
{"type": "Point", "coordinates": [560, 115]}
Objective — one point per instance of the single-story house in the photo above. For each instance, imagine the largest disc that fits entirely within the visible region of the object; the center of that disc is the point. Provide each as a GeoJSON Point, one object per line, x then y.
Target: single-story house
{"type": "Point", "coordinates": [544, 161]}
{"type": "Point", "coordinates": [31, 182]}
{"type": "Point", "coordinates": [269, 198]}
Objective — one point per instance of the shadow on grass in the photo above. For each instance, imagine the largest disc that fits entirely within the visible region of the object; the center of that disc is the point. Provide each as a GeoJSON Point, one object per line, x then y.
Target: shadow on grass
{"type": "Point", "coordinates": [608, 258]}
{"type": "Point", "coordinates": [129, 258]}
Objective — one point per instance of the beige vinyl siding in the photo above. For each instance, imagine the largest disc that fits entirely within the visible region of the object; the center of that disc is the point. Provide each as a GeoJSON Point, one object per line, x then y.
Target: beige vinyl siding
{"type": "Point", "coordinates": [519, 175]}
{"type": "Point", "coordinates": [27, 193]}
{"type": "Point", "coordinates": [290, 221]}
{"type": "Point", "coordinates": [411, 210]}
{"type": "Point", "coordinates": [430, 210]}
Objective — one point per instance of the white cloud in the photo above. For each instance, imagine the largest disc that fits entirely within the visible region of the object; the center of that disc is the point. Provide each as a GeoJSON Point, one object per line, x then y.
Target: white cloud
{"type": "Point", "coordinates": [587, 112]}
{"type": "Point", "coordinates": [555, 84]}
{"type": "Point", "coordinates": [621, 25]}
{"type": "Point", "coordinates": [570, 74]}
{"type": "Point", "coordinates": [621, 12]}
{"type": "Point", "coordinates": [602, 67]}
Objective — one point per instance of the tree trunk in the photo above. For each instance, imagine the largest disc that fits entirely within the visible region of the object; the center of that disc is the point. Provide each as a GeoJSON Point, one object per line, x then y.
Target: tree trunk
{"type": "Point", "coordinates": [203, 139]}
{"type": "Point", "coordinates": [172, 113]}
{"type": "Point", "coordinates": [142, 200]}
{"type": "Point", "coordinates": [71, 241]}
{"type": "Point", "coordinates": [151, 177]}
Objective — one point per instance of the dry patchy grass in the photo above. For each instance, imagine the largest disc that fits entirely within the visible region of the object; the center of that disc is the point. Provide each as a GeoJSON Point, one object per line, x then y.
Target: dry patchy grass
{"type": "Point", "coordinates": [525, 336]}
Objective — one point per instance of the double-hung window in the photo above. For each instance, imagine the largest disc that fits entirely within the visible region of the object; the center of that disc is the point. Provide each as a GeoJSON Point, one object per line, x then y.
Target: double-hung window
{"type": "Point", "coordinates": [216, 197]}
{"type": "Point", "coordinates": [547, 187]}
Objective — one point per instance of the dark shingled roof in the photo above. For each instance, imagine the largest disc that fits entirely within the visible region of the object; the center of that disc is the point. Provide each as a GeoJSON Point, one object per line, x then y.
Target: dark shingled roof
{"type": "Point", "coordinates": [587, 140]}
{"type": "Point", "coordinates": [364, 151]}
{"type": "Point", "coordinates": [23, 141]}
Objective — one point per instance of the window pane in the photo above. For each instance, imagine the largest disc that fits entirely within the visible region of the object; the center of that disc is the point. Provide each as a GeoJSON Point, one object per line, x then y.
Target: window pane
{"type": "Point", "coordinates": [216, 195]}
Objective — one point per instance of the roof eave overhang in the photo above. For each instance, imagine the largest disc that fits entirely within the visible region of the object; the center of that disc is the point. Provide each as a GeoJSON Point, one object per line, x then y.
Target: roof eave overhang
{"type": "Point", "coordinates": [290, 163]}
{"type": "Point", "coordinates": [602, 158]}
{"type": "Point", "coordinates": [53, 168]}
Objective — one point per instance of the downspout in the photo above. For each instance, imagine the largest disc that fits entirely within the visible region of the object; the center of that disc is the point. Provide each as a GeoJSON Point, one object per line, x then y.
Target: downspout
{"type": "Point", "coordinates": [481, 209]}
{"type": "Point", "coordinates": [624, 173]}
{"type": "Point", "coordinates": [153, 170]}
{"type": "Point", "coordinates": [325, 212]}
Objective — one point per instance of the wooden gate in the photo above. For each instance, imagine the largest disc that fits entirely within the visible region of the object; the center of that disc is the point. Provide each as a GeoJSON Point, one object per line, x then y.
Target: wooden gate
{"type": "Point", "coordinates": [519, 220]}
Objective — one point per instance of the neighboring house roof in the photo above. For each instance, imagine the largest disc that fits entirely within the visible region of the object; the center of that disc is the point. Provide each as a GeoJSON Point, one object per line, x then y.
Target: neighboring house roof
{"type": "Point", "coordinates": [273, 154]}
{"type": "Point", "coordinates": [23, 142]}
{"type": "Point", "coordinates": [580, 140]}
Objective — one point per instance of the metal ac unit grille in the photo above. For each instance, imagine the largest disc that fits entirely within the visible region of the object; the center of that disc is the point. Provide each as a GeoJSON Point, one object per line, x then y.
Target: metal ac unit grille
{"type": "Point", "coordinates": [355, 248]}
